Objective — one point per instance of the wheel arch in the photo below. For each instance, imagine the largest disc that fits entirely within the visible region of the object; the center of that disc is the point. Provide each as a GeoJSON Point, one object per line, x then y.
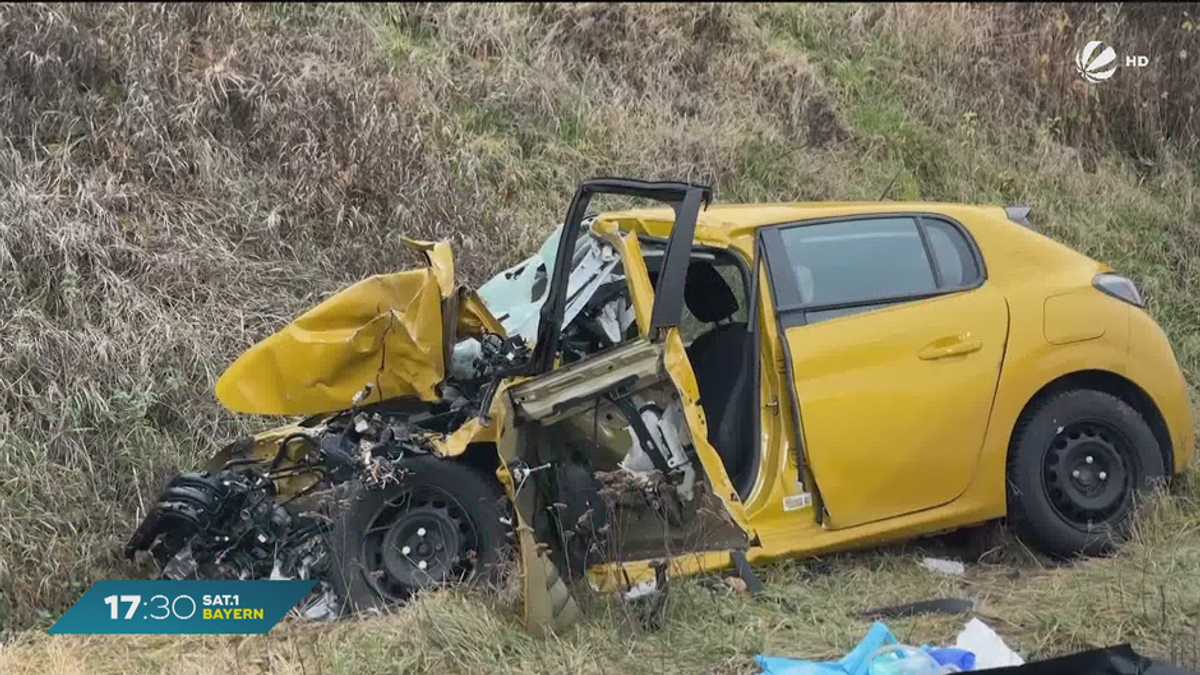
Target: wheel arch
{"type": "Point", "coordinates": [1116, 385]}
{"type": "Point", "coordinates": [481, 457]}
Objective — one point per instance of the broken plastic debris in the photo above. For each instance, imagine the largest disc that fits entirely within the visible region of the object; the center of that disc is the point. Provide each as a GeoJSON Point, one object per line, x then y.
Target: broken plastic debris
{"type": "Point", "coordinates": [857, 662]}
{"type": "Point", "coordinates": [990, 650]}
{"type": "Point", "coordinates": [905, 660]}
{"type": "Point", "coordinates": [879, 653]}
{"type": "Point", "coordinates": [277, 574]}
{"type": "Point", "coordinates": [182, 566]}
{"type": "Point", "coordinates": [951, 567]}
{"type": "Point", "coordinates": [325, 608]}
{"type": "Point", "coordinates": [738, 585]}
{"type": "Point", "coordinates": [641, 590]}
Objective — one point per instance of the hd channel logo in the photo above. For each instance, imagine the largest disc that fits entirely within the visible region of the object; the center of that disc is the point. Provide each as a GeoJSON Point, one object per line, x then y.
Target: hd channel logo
{"type": "Point", "coordinates": [1097, 62]}
{"type": "Point", "coordinates": [181, 607]}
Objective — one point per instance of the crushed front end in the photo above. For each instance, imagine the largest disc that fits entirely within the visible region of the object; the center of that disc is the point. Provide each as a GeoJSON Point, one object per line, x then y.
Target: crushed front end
{"type": "Point", "coordinates": [391, 370]}
{"type": "Point", "coordinates": [445, 435]}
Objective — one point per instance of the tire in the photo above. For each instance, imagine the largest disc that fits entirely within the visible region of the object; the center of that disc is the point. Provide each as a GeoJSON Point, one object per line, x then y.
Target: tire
{"type": "Point", "coordinates": [443, 513]}
{"type": "Point", "coordinates": [1078, 463]}
{"type": "Point", "coordinates": [579, 524]}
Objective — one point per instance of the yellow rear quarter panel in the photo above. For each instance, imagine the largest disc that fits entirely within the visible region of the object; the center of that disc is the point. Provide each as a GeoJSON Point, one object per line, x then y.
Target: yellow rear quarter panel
{"type": "Point", "coordinates": [1153, 367]}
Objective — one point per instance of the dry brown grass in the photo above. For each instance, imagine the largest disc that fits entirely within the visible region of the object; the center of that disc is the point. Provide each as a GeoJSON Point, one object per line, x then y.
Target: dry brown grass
{"type": "Point", "coordinates": [178, 181]}
{"type": "Point", "coordinates": [1148, 594]}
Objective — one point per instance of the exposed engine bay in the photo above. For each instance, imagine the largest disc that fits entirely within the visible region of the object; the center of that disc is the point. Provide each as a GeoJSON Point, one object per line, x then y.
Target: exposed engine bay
{"type": "Point", "coordinates": [606, 460]}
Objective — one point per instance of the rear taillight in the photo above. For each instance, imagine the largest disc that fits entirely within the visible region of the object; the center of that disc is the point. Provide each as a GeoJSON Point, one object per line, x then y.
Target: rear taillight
{"type": "Point", "coordinates": [1119, 287]}
{"type": "Point", "coordinates": [1019, 215]}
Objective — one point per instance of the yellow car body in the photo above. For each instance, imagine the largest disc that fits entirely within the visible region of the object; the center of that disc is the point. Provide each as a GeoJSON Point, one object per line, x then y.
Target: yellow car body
{"type": "Point", "coordinates": [872, 422]}
{"type": "Point", "coordinates": [1039, 322]}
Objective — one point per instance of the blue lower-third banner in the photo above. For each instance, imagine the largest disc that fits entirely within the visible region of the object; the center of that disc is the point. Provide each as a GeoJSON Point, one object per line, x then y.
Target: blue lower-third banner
{"type": "Point", "coordinates": [181, 607]}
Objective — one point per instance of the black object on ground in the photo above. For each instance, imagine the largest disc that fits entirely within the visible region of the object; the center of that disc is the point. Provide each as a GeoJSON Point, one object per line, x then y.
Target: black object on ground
{"type": "Point", "coordinates": [939, 606]}
{"type": "Point", "coordinates": [753, 584]}
{"type": "Point", "coordinates": [1116, 660]}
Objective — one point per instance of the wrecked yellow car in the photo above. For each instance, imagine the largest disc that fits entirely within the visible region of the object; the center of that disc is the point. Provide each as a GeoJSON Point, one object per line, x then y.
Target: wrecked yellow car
{"type": "Point", "coordinates": [696, 384]}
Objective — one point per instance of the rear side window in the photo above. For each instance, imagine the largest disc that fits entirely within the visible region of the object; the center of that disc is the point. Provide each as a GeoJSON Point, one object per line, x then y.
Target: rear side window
{"type": "Point", "coordinates": [726, 266]}
{"type": "Point", "coordinates": [856, 261]}
{"type": "Point", "coordinates": [952, 254]}
{"type": "Point", "coordinates": [855, 265]}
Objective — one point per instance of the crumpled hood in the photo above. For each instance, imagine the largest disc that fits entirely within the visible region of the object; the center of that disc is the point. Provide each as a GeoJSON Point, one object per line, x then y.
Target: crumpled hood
{"type": "Point", "coordinates": [387, 331]}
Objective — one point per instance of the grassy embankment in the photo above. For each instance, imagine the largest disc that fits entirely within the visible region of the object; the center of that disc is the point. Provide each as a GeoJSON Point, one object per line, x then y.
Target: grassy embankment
{"type": "Point", "coordinates": [179, 181]}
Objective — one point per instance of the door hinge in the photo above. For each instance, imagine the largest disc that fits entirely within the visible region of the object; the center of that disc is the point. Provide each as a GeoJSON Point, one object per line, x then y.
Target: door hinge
{"type": "Point", "coordinates": [773, 405]}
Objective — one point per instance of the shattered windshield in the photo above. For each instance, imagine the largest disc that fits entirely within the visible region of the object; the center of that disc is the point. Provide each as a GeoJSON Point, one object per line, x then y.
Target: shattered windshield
{"type": "Point", "coordinates": [598, 313]}
{"type": "Point", "coordinates": [515, 296]}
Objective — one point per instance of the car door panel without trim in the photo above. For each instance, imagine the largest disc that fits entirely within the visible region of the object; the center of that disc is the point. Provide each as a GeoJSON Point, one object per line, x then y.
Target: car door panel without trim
{"type": "Point", "coordinates": [656, 354]}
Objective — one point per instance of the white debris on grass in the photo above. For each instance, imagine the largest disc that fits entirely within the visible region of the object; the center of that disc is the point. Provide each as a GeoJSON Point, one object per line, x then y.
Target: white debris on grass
{"type": "Point", "coordinates": [951, 567]}
{"type": "Point", "coordinates": [641, 590]}
{"type": "Point", "coordinates": [988, 647]}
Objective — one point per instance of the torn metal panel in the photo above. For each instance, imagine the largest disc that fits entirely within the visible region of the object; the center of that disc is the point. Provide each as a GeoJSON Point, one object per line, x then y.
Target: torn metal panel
{"type": "Point", "coordinates": [474, 318]}
{"type": "Point", "coordinates": [561, 392]}
{"type": "Point", "coordinates": [440, 259]}
{"type": "Point", "coordinates": [639, 290]}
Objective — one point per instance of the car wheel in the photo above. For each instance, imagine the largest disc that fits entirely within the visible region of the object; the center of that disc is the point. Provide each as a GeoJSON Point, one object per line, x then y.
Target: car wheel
{"type": "Point", "coordinates": [1079, 462]}
{"type": "Point", "coordinates": [441, 524]}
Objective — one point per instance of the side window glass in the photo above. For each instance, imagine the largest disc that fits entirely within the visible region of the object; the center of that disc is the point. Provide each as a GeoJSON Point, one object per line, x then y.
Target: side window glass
{"type": "Point", "coordinates": [952, 254]}
{"type": "Point", "coordinates": [858, 260]}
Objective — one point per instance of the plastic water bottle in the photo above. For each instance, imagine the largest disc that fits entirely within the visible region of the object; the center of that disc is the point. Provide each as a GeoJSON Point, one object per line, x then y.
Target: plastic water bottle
{"type": "Point", "coordinates": [905, 660]}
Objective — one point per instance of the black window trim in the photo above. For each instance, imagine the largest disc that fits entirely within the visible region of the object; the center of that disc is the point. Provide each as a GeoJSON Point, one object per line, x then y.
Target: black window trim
{"type": "Point", "coordinates": [785, 287]}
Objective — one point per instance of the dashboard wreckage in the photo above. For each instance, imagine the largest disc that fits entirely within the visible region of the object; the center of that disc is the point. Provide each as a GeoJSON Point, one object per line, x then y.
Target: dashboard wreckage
{"type": "Point", "coordinates": [712, 381]}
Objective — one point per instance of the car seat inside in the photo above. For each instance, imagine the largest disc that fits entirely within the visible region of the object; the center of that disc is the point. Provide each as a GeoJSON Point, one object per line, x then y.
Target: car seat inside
{"type": "Point", "coordinates": [722, 360]}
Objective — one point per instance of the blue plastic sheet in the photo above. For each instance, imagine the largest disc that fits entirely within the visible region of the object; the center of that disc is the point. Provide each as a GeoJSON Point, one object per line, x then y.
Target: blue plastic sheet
{"type": "Point", "coordinates": [857, 662]}
{"type": "Point", "coordinates": [1118, 660]}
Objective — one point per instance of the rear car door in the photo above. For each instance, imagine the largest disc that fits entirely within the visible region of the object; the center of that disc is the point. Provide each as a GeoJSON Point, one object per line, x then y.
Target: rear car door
{"type": "Point", "coordinates": [894, 343]}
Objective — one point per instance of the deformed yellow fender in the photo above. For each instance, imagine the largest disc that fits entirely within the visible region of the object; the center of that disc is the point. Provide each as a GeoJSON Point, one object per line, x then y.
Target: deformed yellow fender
{"type": "Point", "coordinates": [389, 331]}
{"type": "Point", "coordinates": [385, 332]}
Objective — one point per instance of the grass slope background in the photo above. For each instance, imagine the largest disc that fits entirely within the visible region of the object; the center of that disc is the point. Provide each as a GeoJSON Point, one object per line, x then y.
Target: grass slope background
{"type": "Point", "coordinates": [176, 182]}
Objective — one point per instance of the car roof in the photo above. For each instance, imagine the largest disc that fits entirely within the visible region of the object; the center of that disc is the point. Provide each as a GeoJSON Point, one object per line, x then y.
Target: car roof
{"type": "Point", "coordinates": [726, 221]}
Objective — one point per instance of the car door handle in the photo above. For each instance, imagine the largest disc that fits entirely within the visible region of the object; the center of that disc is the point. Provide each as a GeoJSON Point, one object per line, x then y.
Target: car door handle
{"type": "Point", "coordinates": [940, 349]}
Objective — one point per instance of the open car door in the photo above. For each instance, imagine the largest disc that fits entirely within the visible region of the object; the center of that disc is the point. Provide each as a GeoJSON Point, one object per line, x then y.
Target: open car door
{"type": "Point", "coordinates": [672, 495]}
